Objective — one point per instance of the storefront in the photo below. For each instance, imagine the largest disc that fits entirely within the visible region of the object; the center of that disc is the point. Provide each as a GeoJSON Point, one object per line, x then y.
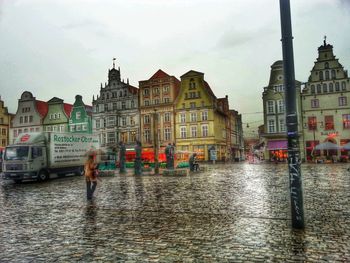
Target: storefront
{"type": "Point", "coordinates": [278, 150]}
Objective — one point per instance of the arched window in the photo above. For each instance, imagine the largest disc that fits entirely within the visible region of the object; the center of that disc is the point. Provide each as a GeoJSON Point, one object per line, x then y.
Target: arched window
{"type": "Point", "coordinates": [327, 75]}
{"type": "Point", "coordinates": [326, 65]}
{"type": "Point", "coordinates": [321, 75]}
{"type": "Point", "coordinates": [325, 88]}
{"type": "Point", "coordinates": [331, 87]}
{"type": "Point", "coordinates": [333, 74]}
{"type": "Point", "coordinates": [337, 86]}
{"type": "Point", "coordinates": [312, 89]}
{"type": "Point", "coordinates": [343, 86]}
{"type": "Point", "coordinates": [192, 84]}
{"type": "Point", "coordinates": [318, 88]}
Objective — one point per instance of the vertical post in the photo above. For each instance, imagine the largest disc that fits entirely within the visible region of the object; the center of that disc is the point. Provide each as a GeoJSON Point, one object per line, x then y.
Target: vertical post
{"type": "Point", "coordinates": [294, 161]}
{"type": "Point", "coordinates": [155, 142]}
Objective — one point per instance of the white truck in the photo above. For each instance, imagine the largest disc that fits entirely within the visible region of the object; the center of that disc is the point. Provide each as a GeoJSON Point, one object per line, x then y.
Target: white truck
{"type": "Point", "coordinates": [36, 156]}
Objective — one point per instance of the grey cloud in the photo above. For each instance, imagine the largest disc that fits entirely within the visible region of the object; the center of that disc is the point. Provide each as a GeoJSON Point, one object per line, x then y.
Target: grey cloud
{"type": "Point", "coordinates": [345, 3]}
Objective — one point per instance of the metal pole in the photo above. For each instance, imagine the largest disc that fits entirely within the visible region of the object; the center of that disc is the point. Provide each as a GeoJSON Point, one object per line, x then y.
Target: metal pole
{"type": "Point", "coordinates": [155, 142]}
{"type": "Point", "coordinates": [294, 160]}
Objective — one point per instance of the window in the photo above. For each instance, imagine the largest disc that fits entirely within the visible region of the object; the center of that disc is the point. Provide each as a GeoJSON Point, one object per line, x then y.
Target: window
{"type": "Point", "coordinates": [156, 91]}
{"type": "Point", "coordinates": [192, 105]}
{"type": "Point", "coordinates": [281, 106]}
{"type": "Point", "coordinates": [325, 89]}
{"type": "Point", "coordinates": [156, 101]}
{"type": "Point", "coordinates": [183, 131]}
{"type": "Point", "coordinates": [146, 119]}
{"type": "Point", "coordinates": [194, 131]}
{"type": "Point", "coordinates": [342, 101]}
{"type": "Point", "coordinates": [315, 103]}
{"type": "Point", "coordinates": [183, 117]}
{"type": "Point", "coordinates": [326, 65]}
{"type": "Point", "coordinates": [123, 105]}
{"type": "Point", "coordinates": [31, 118]}
{"type": "Point", "coordinates": [192, 84]}
{"type": "Point", "coordinates": [166, 100]}
{"type": "Point", "coordinates": [205, 131]}
{"type": "Point", "coordinates": [270, 106]}
{"type": "Point", "coordinates": [331, 87]}
{"type": "Point", "coordinates": [282, 125]}
{"type": "Point", "coordinates": [312, 89]}
{"type": "Point", "coordinates": [146, 102]}
{"type": "Point", "coordinates": [111, 137]}
{"type": "Point", "coordinates": [123, 121]}
{"type": "Point", "coordinates": [97, 124]}
{"type": "Point", "coordinates": [329, 123]}
{"type": "Point", "coordinates": [147, 135]}
{"type": "Point", "coordinates": [72, 128]}
{"type": "Point", "coordinates": [3, 131]}
{"type": "Point", "coordinates": [111, 121]}
{"type": "Point", "coordinates": [346, 121]}
{"type": "Point", "coordinates": [78, 127]}
{"type": "Point", "coordinates": [84, 127]}
{"type": "Point", "coordinates": [343, 86]}
{"type": "Point", "coordinates": [204, 115]}
{"type": "Point", "coordinates": [337, 88]}
{"type": "Point", "coordinates": [183, 105]}
{"type": "Point", "coordinates": [167, 134]}
{"type": "Point", "coordinates": [146, 92]}
{"type": "Point", "coordinates": [167, 117]}
{"type": "Point", "coordinates": [312, 123]}
{"type": "Point", "coordinates": [166, 89]}
{"type": "Point", "coordinates": [319, 88]}
{"type": "Point", "coordinates": [321, 75]}
{"type": "Point", "coordinates": [25, 119]}
{"type": "Point", "coordinates": [37, 152]}
{"type": "Point", "coordinates": [333, 74]}
{"type": "Point", "coordinates": [21, 119]}
{"type": "Point", "coordinates": [132, 120]}
{"type": "Point", "coordinates": [78, 115]}
{"type": "Point", "coordinates": [132, 104]}
{"type": "Point", "coordinates": [193, 116]}
{"type": "Point", "coordinates": [271, 126]}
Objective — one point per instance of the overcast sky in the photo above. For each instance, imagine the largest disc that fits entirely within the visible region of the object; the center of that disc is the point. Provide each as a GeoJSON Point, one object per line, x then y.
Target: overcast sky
{"type": "Point", "coordinates": [65, 47]}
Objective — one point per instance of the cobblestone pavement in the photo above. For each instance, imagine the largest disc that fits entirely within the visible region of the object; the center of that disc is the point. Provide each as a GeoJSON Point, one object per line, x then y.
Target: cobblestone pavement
{"type": "Point", "coordinates": [232, 213]}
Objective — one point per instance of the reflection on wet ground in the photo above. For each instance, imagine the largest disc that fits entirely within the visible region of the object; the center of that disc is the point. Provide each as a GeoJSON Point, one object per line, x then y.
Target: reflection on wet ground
{"type": "Point", "coordinates": [235, 212]}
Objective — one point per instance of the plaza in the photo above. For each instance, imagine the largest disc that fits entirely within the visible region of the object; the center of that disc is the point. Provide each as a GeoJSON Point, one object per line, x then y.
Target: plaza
{"type": "Point", "coordinates": [235, 212]}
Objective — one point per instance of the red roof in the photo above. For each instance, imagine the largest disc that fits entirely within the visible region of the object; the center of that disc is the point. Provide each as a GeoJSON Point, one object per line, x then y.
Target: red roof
{"type": "Point", "coordinates": [132, 89]}
{"type": "Point", "coordinates": [159, 75]}
{"type": "Point", "coordinates": [42, 107]}
{"type": "Point", "coordinates": [67, 109]}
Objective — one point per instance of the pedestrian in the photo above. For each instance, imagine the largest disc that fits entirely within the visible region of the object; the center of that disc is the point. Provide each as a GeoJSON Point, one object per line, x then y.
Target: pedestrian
{"type": "Point", "coordinates": [192, 162]}
{"type": "Point", "coordinates": [90, 172]}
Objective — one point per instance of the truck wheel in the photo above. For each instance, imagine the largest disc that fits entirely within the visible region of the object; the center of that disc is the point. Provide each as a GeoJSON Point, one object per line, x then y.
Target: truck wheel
{"type": "Point", "coordinates": [17, 181]}
{"type": "Point", "coordinates": [43, 176]}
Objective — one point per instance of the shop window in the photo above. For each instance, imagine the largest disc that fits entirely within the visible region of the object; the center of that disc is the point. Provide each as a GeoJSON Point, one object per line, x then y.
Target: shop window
{"type": "Point", "coordinates": [329, 123]}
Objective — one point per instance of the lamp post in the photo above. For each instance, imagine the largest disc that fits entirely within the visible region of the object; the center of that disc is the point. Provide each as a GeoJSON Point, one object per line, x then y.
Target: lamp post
{"type": "Point", "coordinates": [294, 160]}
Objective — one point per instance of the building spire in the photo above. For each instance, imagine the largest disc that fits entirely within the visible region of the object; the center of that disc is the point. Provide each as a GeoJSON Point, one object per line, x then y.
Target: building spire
{"type": "Point", "coordinates": [324, 40]}
{"type": "Point", "coordinates": [114, 59]}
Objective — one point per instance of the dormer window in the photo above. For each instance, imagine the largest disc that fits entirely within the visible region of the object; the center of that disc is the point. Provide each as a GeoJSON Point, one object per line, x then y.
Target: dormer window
{"type": "Point", "coordinates": [192, 84]}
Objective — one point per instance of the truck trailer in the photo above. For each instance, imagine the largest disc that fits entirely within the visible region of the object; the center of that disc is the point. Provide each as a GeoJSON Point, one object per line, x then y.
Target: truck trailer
{"type": "Point", "coordinates": [37, 156]}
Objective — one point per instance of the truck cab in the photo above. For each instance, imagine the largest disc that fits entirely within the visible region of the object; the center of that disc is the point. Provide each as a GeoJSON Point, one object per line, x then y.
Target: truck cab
{"type": "Point", "coordinates": [23, 162]}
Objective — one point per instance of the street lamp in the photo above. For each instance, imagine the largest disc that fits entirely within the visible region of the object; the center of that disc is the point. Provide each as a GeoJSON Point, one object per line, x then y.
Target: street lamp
{"type": "Point", "coordinates": [155, 141]}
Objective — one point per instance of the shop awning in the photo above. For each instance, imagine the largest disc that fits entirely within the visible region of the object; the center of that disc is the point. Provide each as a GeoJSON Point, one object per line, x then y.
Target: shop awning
{"type": "Point", "coordinates": [277, 145]}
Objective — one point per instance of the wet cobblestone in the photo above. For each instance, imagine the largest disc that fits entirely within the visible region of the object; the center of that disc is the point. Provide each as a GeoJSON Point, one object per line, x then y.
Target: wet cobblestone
{"type": "Point", "coordinates": [234, 213]}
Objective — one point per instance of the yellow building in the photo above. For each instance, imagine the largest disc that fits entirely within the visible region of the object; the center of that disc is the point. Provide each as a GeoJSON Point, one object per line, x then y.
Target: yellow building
{"type": "Point", "coordinates": [200, 123]}
{"type": "Point", "coordinates": [5, 120]}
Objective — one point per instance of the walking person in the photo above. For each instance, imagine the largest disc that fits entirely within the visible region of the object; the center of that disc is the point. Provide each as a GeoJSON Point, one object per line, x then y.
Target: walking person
{"type": "Point", "coordinates": [90, 176]}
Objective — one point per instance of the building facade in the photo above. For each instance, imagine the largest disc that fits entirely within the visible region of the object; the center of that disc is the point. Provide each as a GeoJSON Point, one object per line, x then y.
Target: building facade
{"type": "Point", "coordinates": [236, 136]}
{"type": "Point", "coordinates": [58, 114]}
{"type": "Point", "coordinates": [80, 120]}
{"type": "Point", "coordinates": [5, 120]}
{"type": "Point", "coordinates": [115, 115]}
{"type": "Point", "coordinates": [200, 123]}
{"type": "Point", "coordinates": [157, 96]}
{"type": "Point", "coordinates": [274, 134]}
{"type": "Point", "coordinates": [326, 108]}
{"type": "Point", "coordinates": [29, 116]}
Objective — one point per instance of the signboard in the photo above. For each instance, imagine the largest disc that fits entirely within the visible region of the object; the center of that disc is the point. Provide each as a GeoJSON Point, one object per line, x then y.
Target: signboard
{"type": "Point", "coordinates": [71, 149]}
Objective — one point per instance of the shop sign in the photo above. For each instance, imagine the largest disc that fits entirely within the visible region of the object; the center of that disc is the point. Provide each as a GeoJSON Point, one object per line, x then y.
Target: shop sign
{"type": "Point", "coordinates": [330, 133]}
